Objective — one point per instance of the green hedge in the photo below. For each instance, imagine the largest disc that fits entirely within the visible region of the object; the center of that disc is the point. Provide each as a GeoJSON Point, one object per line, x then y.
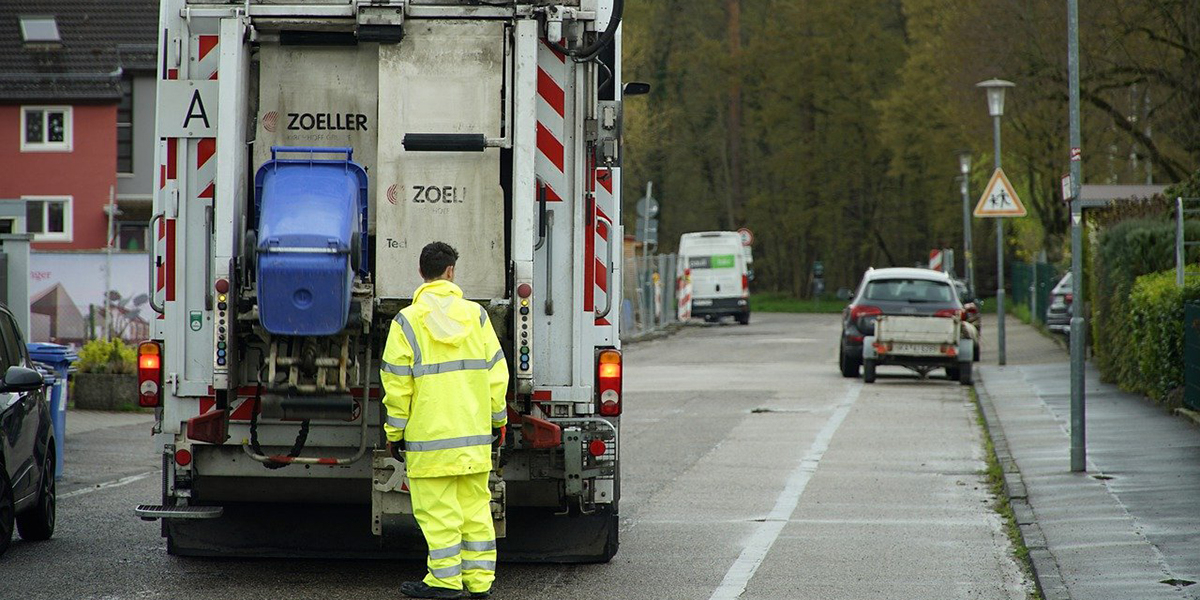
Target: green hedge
{"type": "Point", "coordinates": [1156, 334]}
{"type": "Point", "coordinates": [1124, 252]}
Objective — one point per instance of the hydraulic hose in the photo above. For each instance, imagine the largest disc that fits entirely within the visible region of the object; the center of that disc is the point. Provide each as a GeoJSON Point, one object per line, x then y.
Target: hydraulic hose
{"type": "Point", "coordinates": [606, 37]}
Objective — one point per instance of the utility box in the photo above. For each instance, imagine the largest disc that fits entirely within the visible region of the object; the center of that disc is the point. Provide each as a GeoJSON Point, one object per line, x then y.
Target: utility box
{"type": "Point", "coordinates": [1191, 355]}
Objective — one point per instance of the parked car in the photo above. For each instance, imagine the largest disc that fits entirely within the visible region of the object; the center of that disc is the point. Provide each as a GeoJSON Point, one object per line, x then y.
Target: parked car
{"type": "Point", "coordinates": [1061, 306]}
{"type": "Point", "coordinates": [901, 292]}
{"type": "Point", "coordinates": [972, 307]}
{"type": "Point", "coordinates": [27, 490]}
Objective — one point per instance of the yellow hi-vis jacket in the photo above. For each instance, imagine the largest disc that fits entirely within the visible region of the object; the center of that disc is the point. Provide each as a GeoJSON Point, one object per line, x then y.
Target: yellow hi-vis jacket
{"type": "Point", "coordinates": [445, 381]}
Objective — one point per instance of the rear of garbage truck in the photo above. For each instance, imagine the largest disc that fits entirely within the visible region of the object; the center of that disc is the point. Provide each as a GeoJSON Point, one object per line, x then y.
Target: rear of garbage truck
{"type": "Point", "coordinates": [306, 153]}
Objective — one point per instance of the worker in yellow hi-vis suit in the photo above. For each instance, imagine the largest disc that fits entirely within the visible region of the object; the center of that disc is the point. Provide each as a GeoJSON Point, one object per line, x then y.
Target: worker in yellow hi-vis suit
{"type": "Point", "coordinates": [445, 380]}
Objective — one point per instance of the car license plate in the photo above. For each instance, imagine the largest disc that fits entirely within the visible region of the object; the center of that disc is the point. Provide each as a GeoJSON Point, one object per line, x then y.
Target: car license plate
{"type": "Point", "coordinates": [917, 349]}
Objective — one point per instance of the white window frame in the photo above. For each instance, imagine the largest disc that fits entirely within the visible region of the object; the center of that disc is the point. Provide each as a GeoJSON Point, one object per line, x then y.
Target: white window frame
{"type": "Point", "coordinates": [68, 130]}
{"type": "Point", "coordinates": [67, 234]}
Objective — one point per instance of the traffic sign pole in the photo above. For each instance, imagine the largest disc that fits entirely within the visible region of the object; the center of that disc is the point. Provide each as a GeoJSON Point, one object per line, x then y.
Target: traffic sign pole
{"type": "Point", "coordinates": [1078, 331]}
{"type": "Point", "coordinates": [999, 256]}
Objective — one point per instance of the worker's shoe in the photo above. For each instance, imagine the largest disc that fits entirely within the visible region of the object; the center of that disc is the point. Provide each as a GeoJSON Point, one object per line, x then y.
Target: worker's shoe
{"type": "Point", "coordinates": [483, 594]}
{"type": "Point", "coordinates": [420, 589]}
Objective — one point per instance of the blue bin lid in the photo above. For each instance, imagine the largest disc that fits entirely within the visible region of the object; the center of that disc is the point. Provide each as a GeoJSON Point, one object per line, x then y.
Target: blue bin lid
{"type": "Point", "coordinates": [51, 354]}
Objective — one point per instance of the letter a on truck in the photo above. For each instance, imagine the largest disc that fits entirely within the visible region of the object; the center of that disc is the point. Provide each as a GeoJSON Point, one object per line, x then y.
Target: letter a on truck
{"type": "Point", "coordinates": [306, 153]}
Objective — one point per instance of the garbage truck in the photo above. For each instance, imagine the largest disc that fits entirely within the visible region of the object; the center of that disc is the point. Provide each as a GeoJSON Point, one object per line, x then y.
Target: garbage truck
{"type": "Point", "coordinates": [307, 151]}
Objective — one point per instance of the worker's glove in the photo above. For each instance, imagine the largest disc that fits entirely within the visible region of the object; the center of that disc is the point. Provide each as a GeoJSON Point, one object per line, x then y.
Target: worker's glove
{"type": "Point", "coordinates": [498, 436]}
{"type": "Point", "coordinates": [397, 449]}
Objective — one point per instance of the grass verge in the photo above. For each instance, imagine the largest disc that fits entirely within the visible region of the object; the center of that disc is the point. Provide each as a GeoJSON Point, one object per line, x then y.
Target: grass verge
{"type": "Point", "coordinates": [785, 303]}
{"type": "Point", "coordinates": [995, 480]}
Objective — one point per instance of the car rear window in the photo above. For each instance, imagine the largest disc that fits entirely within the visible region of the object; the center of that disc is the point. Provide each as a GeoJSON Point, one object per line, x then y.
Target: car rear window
{"type": "Point", "coordinates": [908, 290]}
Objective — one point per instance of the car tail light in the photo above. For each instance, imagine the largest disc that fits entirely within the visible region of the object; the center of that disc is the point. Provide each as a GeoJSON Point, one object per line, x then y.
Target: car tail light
{"type": "Point", "coordinates": [1069, 298]}
{"type": "Point", "coordinates": [149, 374]}
{"type": "Point", "coordinates": [949, 312]}
{"type": "Point", "coordinates": [861, 311]}
{"type": "Point", "coordinates": [608, 382]}
{"type": "Point", "coordinates": [745, 285]}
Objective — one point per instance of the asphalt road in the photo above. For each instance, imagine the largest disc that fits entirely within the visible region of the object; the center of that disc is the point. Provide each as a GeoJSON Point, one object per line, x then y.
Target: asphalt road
{"type": "Point", "coordinates": [751, 469]}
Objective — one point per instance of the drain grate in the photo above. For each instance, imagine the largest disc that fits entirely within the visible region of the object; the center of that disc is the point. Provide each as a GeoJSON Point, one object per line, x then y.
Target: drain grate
{"type": "Point", "coordinates": [1178, 582]}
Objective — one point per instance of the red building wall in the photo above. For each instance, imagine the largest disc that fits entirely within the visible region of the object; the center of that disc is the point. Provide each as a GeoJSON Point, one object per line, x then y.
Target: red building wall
{"type": "Point", "coordinates": [86, 173]}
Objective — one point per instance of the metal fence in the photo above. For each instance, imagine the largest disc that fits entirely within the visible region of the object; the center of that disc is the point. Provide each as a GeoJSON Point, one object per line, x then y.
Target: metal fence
{"type": "Point", "coordinates": [1031, 285]}
{"type": "Point", "coordinates": [648, 283]}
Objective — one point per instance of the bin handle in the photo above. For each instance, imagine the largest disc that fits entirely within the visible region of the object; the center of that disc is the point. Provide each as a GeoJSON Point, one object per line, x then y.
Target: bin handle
{"type": "Point", "coordinates": [153, 264]}
{"type": "Point", "coordinates": [311, 150]}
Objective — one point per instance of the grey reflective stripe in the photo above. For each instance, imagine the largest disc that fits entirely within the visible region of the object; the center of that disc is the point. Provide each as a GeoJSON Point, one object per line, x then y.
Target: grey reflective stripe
{"type": "Point", "coordinates": [485, 565]}
{"type": "Point", "coordinates": [402, 371]}
{"type": "Point", "coordinates": [445, 572]}
{"type": "Point", "coordinates": [446, 444]}
{"type": "Point", "coordinates": [397, 423]}
{"type": "Point", "coordinates": [466, 364]}
{"type": "Point", "coordinates": [482, 316]}
{"type": "Point", "coordinates": [445, 552]}
{"type": "Point", "coordinates": [500, 416]}
{"type": "Point", "coordinates": [411, 336]}
{"type": "Point", "coordinates": [479, 546]}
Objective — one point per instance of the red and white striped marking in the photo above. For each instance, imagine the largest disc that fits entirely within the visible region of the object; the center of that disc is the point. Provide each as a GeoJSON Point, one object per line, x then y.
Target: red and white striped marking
{"type": "Point", "coordinates": [935, 260]}
{"type": "Point", "coordinates": [550, 166]}
{"type": "Point", "coordinates": [685, 296]}
{"type": "Point", "coordinates": [202, 180]}
{"type": "Point", "coordinates": [205, 57]}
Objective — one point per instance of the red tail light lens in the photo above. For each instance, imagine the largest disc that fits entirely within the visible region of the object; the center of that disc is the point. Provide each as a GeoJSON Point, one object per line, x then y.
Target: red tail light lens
{"type": "Point", "coordinates": [597, 447]}
{"type": "Point", "coordinates": [949, 312]}
{"type": "Point", "coordinates": [745, 284]}
{"type": "Point", "coordinates": [149, 374]}
{"type": "Point", "coordinates": [858, 312]}
{"type": "Point", "coordinates": [1069, 298]}
{"type": "Point", "coordinates": [183, 457]}
{"type": "Point", "coordinates": [608, 382]}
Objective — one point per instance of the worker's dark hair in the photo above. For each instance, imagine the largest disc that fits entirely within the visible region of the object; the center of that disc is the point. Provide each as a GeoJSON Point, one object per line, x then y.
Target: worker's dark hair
{"type": "Point", "coordinates": [436, 257]}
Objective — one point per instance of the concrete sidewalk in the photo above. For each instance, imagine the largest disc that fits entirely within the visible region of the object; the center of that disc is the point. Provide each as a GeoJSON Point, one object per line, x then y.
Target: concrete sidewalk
{"type": "Point", "coordinates": [1127, 529]}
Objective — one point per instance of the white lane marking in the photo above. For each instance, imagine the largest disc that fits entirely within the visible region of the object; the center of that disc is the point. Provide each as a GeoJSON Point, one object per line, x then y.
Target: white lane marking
{"type": "Point", "coordinates": [107, 484]}
{"type": "Point", "coordinates": [760, 542]}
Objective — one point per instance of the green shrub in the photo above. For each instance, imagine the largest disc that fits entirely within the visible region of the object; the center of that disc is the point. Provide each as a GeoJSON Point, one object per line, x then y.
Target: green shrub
{"type": "Point", "coordinates": [1125, 251]}
{"type": "Point", "coordinates": [100, 356]}
{"type": "Point", "coordinates": [1156, 330]}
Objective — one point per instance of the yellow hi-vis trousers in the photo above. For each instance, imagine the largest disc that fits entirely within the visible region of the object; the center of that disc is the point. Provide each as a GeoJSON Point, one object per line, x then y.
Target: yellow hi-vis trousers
{"type": "Point", "coordinates": [455, 515]}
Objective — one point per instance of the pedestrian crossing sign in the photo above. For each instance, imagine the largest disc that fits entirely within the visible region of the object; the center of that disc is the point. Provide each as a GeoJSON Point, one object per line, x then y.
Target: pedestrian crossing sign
{"type": "Point", "coordinates": [999, 199]}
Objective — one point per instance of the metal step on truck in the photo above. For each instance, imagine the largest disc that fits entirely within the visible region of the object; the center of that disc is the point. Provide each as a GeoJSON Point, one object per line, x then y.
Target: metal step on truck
{"type": "Point", "coordinates": [307, 151]}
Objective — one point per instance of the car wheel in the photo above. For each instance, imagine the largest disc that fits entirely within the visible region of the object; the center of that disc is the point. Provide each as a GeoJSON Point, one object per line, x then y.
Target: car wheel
{"type": "Point", "coordinates": [743, 318]}
{"type": "Point", "coordinates": [964, 374]}
{"type": "Point", "coordinates": [7, 511]}
{"type": "Point", "coordinates": [868, 370]}
{"type": "Point", "coordinates": [848, 365]}
{"type": "Point", "coordinates": [952, 373]}
{"type": "Point", "coordinates": [37, 523]}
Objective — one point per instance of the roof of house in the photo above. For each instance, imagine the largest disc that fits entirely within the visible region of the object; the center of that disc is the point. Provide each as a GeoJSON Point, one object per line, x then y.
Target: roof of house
{"type": "Point", "coordinates": [100, 39]}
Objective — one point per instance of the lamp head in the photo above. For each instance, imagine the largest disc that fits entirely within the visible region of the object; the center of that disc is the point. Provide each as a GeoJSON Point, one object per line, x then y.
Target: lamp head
{"type": "Point", "coordinates": [995, 94]}
{"type": "Point", "coordinates": [964, 162]}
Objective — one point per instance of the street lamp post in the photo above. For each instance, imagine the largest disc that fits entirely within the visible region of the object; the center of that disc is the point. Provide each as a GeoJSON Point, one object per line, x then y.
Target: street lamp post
{"type": "Point", "coordinates": [995, 96]}
{"type": "Point", "coordinates": [1078, 331]}
{"type": "Point", "coordinates": [964, 167]}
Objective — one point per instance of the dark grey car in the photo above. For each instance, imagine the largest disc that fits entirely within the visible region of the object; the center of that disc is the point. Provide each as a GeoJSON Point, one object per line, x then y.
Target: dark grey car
{"type": "Point", "coordinates": [893, 291]}
{"type": "Point", "coordinates": [27, 491]}
{"type": "Point", "coordinates": [1062, 301]}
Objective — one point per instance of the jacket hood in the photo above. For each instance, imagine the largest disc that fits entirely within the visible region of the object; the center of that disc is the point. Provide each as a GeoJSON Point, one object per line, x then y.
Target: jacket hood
{"type": "Point", "coordinates": [448, 318]}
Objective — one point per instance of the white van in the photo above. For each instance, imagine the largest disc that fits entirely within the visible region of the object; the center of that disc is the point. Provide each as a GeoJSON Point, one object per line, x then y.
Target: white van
{"type": "Point", "coordinates": [718, 266]}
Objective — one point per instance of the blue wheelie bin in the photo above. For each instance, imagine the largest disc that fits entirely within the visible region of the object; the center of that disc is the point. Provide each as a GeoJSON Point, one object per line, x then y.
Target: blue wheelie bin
{"type": "Point", "coordinates": [57, 359]}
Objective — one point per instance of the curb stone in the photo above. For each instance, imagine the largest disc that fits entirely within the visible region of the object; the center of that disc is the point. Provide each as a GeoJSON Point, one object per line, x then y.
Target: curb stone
{"type": "Point", "coordinates": [1046, 574]}
{"type": "Point", "coordinates": [1189, 414]}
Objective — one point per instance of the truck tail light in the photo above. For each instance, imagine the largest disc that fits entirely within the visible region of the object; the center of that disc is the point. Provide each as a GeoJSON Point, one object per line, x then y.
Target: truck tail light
{"type": "Point", "coordinates": [745, 285]}
{"type": "Point", "coordinates": [949, 312]}
{"type": "Point", "coordinates": [608, 382]}
{"type": "Point", "coordinates": [862, 311]}
{"type": "Point", "coordinates": [1069, 298]}
{"type": "Point", "coordinates": [149, 374]}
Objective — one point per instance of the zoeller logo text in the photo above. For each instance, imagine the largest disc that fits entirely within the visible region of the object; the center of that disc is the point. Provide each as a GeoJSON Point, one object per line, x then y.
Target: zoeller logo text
{"type": "Point", "coordinates": [327, 122]}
